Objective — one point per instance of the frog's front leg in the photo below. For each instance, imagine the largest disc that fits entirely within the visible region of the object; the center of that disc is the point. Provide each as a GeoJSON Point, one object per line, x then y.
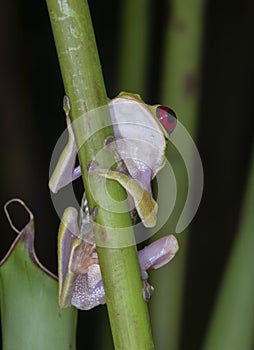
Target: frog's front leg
{"type": "Point", "coordinates": [144, 203]}
{"type": "Point", "coordinates": [64, 172]}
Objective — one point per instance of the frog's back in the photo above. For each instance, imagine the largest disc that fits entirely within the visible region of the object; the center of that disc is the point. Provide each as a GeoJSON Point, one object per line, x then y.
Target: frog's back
{"type": "Point", "coordinates": [141, 137]}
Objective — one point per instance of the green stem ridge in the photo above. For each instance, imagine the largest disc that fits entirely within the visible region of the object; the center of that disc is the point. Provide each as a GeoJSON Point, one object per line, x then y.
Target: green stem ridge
{"type": "Point", "coordinates": [84, 85]}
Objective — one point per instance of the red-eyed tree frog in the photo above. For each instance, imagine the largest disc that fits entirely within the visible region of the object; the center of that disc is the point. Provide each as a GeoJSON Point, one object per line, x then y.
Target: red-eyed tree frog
{"type": "Point", "coordinates": [139, 143]}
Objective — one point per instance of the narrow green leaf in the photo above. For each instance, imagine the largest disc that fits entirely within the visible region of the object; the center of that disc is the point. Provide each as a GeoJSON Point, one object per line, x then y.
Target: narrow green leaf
{"type": "Point", "coordinates": [232, 323]}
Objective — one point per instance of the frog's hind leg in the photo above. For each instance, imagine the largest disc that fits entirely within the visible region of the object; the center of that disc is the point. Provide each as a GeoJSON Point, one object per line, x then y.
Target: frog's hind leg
{"type": "Point", "coordinates": [154, 256]}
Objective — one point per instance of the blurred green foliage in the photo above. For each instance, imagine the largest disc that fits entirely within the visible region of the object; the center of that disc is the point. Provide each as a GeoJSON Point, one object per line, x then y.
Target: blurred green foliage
{"type": "Point", "coordinates": [31, 85]}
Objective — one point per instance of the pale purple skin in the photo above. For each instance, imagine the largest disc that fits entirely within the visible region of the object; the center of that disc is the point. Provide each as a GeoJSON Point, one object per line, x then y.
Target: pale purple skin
{"type": "Point", "coordinates": [158, 253]}
{"type": "Point", "coordinates": [87, 287]}
{"type": "Point", "coordinates": [88, 293]}
{"type": "Point", "coordinates": [76, 173]}
{"type": "Point", "coordinates": [145, 178]}
{"type": "Point", "coordinates": [87, 290]}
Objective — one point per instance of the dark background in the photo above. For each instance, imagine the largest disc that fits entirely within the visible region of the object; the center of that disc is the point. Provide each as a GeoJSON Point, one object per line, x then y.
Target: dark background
{"type": "Point", "coordinates": [31, 121]}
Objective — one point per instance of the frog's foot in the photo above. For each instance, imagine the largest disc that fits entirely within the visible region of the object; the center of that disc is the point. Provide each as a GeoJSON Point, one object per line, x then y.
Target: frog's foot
{"type": "Point", "coordinates": [146, 206]}
{"type": "Point", "coordinates": [148, 289]}
{"type": "Point", "coordinates": [86, 223]}
{"type": "Point", "coordinates": [84, 210]}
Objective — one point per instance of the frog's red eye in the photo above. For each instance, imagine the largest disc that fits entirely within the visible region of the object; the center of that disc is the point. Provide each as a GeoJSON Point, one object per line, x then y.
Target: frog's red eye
{"type": "Point", "coordinates": [167, 117]}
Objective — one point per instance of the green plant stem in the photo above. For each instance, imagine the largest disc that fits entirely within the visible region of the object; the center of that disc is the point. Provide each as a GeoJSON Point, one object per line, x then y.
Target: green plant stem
{"type": "Point", "coordinates": [180, 91]}
{"type": "Point", "coordinates": [83, 82]}
{"type": "Point", "coordinates": [233, 320]}
{"type": "Point", "coordinates": [134, 44]}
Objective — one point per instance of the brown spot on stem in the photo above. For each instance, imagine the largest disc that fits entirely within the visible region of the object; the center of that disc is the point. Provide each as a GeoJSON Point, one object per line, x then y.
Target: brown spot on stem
{"type": "Point", "coordinates": [180, 25]}
{"type": "Point", "coordinates": [190, 84]}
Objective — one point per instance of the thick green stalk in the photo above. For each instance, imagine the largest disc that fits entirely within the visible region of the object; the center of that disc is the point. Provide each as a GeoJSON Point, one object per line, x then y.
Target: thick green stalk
{"type": "Point", "coordinates": [233, 320]}
{"type": "Point", "coordinates": [180, 91]}
{"type": "Point", "coordinates": [83, 81]}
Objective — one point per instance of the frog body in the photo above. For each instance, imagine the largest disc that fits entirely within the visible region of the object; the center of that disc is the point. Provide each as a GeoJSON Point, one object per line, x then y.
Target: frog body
{"type": "Point", "coordinates": [140, 139]}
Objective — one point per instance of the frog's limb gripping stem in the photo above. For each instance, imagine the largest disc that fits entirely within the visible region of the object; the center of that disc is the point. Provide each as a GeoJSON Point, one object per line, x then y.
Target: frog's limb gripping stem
{"type": "Point", "coordinates": [146, 206]}
{"type": "Point", "coordinates": [109, 143]}
{"type": "Point", "coordinates": [80, 280]}
{"type": "Point", "coordinates": [63, 173]}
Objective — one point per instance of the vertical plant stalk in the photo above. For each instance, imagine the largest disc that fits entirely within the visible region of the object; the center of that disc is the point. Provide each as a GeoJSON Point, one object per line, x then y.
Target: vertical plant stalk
{"type": "Point", "coordinates": [84, 85]}
{"type": "Point", "coordinates": [180, 90]}
{"type": "Point", "coordinates": [233, 320]}
{"type": "Point", "coordinates": [134, 43]}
